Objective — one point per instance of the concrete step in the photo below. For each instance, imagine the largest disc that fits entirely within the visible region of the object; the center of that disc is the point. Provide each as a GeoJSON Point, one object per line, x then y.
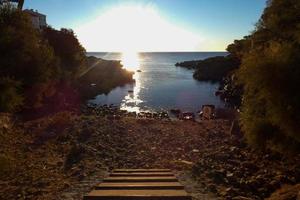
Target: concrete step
{"type": "Point", "coordinates": [143, 174]}
{"type": "Point", "coordinates": [141, 179]}
{"type": "Point", "coordinates": [139, 186]}
{"type": "Point", "coordinates": [137, 195]}
{"type": "Point", "coordinates": [141, 170]}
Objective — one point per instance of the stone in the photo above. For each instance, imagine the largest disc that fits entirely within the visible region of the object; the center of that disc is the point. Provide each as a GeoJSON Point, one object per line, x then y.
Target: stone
{"type": "Point", "coordinates": [212, 188]}
{"type": "Point", "coordinates": [195, 151]}
{"type": "Point", "coordinates": [241, 198]}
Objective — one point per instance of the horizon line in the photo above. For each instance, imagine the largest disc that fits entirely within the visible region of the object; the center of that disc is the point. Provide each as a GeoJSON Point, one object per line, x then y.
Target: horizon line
{"type": "Point", "coordinates": [160, 52]}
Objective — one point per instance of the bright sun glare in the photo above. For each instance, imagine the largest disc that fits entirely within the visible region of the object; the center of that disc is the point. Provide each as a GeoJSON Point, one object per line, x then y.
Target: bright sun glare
{"type": "Point", "coordinates": [135, 28]}
{"type": "Point", "coordinates": [130, 60]}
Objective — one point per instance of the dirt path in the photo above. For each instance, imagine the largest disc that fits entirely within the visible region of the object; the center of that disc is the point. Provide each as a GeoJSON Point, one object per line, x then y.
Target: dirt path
{"type": "Point", "coordinates": [148, 144]}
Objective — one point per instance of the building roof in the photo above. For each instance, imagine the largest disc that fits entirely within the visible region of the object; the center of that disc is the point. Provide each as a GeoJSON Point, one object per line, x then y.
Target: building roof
{"type": "Point", "coordinates": [34, 13]}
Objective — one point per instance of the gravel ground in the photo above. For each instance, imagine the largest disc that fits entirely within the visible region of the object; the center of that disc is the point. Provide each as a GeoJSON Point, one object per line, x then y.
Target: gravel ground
{"type": "Point", "coordinates": [65, 155]}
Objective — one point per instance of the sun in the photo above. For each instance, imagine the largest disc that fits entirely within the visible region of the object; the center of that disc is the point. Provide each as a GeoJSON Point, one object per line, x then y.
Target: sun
{"type": "Point", "coordinates": [135, 28]}
{"type": "Point", "coordinates": [130, 60]}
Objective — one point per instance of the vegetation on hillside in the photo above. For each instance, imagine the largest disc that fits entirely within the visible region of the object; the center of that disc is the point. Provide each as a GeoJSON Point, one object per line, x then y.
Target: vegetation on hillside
{"type": "Point", "coordinates": [25, 59]}
{"type": "Point", "coordinates": [270, 75]}
{"type": "Point", "coordinates": [103, 76]}
{"type": "Point", "coordinates": [211, 69]}
{"type": "Point", "coordinates": [68, 50]}
{"type": "Point", "coordinates": [220, 69]}
{"type": "Point", "coordinates": [262, 75]}
{"type": "Point", "coordinates": [41, 70]}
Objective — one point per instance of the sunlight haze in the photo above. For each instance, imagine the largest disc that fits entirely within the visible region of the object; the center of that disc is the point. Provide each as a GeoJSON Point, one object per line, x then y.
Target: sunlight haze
{"type": "Point", "coordinates": [153, 25]}
{"type": "Point", "coordinates": [138, 28]}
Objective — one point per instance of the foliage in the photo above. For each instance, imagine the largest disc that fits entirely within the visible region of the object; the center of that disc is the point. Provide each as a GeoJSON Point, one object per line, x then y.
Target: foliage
{"type": "Point", "coordinates": [239, 47]}
{"type": "Point", "coordinates": [23, 55]}
{"type": "Point", "coordinates": [5, 166]}
{"type": "Point", "coordinates": [105, 75]}
{"type": "Point", "coordinates": [270, 74]}
{"type": "Point", "coordinates": [74, 156]}
{"type": "Point", "coordinates": [232, 91]}
{"type": "Point", "coordinates": [214, 69]}
{"type": "Point", "coordinates": [68, 50]}
{"type": "Point", "coordinates": [10, 97]}
{"type": "Point", "coordinates": [47, 67]}
{"type": "Point", "coordinates": [211, 69]}
{"type": "Point", "coordinates": [36, 61]}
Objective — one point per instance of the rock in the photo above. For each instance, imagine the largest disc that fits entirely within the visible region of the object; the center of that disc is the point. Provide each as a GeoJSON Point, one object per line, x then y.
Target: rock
{"type": "Point", "coordinates": [195, 151]}
{"type": "Point", "coordinates": [229, 174]}
{"type": "Point", "coordinates": [235, 129]}
{"type": "Point", "coordinates": [212, 188]}
{"type": "Point", "coordinates": [217, 176]}
{"type": "Point", "coordinates": [66, 185]}
{"type": "Point", "coordinates": [250, 166]}
{"type": "Point", "coordinates": [286, 192]}
{"type": "Point", "coordinates": [5, 121]}
{"type": "Point", "coordinates": [274, 184]}
{"type": "Point", "coordinates": [228, 193]}
{"type": "Point", "coordinates": [241, 198]}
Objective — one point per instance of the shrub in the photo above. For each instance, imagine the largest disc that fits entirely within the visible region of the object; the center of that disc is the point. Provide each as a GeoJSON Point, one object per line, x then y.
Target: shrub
{"type": "Point", "coordinates": [23, 54]}
{"type": "Point", "coordinates": [68, 50]}
{"type": "Point", "coordinates": [270, 75]}
{"type": "Point", "coordinates": [5, 166]}
{"type": "Point", "coordinates": [270, 107]}
{"type": "Point", "coordinates": [10, 97]}
{"type": "Point", "coordinates": [74, 156]}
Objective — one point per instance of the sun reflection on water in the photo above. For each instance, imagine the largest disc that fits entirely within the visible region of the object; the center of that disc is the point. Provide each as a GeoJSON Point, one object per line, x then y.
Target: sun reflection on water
{"type": "Point", "coordinates": [131, 62]}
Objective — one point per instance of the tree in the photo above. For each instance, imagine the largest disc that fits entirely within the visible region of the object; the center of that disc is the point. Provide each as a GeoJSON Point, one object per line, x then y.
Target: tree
{"type": "Point", "coordinates": [10, 97]}
{"type": "Point", "coordinates": [24, 57]}
{"type": "Point", "coordinates": [270, 74]}
{"type": "Point", "coordinates": [67, 49]}
{"type": "Point", "coordinates": [23, 54]}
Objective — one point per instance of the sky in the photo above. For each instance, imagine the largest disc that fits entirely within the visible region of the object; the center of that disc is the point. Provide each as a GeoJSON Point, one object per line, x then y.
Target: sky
{"type": "Point", "coordinates": [153, 25]}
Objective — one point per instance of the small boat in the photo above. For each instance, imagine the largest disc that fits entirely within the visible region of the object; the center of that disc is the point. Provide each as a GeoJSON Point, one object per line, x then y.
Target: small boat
{"type": "Point", "coordinates": [138, 70]}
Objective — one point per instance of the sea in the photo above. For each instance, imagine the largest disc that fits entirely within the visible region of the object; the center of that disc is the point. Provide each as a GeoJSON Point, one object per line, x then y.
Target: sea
{"type": "Point", "coordinates": [159, 84]}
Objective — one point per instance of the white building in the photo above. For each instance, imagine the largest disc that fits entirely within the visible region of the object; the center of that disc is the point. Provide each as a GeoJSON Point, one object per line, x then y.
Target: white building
{"type": "Point", "coordinates": [38, 19]}
{"type": "Point", "coordinates": [17, 3]}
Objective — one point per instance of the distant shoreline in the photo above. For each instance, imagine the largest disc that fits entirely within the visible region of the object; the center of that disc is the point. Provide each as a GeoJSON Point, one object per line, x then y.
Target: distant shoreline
{"type": "Point", "coordinates": [90, 52]}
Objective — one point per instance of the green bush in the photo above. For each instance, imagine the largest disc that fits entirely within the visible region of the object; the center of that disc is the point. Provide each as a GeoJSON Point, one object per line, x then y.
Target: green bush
{"type": "Point", "coordinates": [5, 166]}
{"type": "Point", "coordinates": [270, 75]}
{"type": "Point", "coordinates": [23, 54]}
{"type": "Point", "coordinates": [10, 97]}
{"type": "Point", "coordinates": [37, 61]}
{"type": "Point", "coordinates": [68, 50]}
{"type": "Point", "coordinates": [215, 69]}
{"type": "Point", "coordinates": [74, 156]}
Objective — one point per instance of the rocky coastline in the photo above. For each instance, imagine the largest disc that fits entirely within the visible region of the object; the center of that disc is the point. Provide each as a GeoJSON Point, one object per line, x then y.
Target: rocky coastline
{"type": "Point", "coordinates": [218, 69]}
{"type": "Point", "coordinates": [102, 76]}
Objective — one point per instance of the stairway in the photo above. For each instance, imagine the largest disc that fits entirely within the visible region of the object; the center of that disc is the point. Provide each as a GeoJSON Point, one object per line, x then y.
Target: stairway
{"type": "Point", "coordinates": [139, 184]}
